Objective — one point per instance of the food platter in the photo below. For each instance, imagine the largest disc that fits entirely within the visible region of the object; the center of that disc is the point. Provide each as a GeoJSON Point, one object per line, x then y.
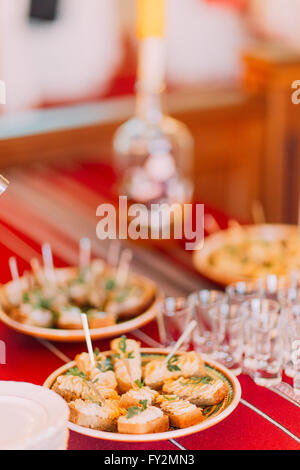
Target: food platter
{"type": "Point", "coordinates": [77, 335]}
{"type": "Point", "coordinates": [243, 253]}
{"type": "Point", "coordinates": [215, 414]}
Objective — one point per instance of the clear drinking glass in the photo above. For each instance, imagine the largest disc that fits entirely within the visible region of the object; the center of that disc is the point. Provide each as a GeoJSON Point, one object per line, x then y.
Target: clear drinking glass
{"type": "Point", "coordinates": [240, 292]}
{"type": "Point", "coordinates": [294, 336]}
{"type": "Point", "coordinates": [228, 334]}
{"type": "Point", "coordinates": [263, 341]}
{"type": "Point", "coordinates": [291, 325]}
{"type": "Point", "coordinates": [204, 301]}
{"type": "Point", "coordinates": [174, 315]}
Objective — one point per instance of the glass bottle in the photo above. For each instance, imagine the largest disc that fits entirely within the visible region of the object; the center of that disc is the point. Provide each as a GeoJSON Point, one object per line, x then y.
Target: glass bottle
{"type": "Point", "coordinates": [154, 152]}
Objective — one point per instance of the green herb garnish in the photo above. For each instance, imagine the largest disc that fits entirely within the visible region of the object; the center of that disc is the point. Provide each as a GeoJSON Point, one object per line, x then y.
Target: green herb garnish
{"type": "Point", "coordinates": [26, 298]}
{"type": "Point", "coordinates": [75, 372]}
{"type": "Point", "coordinates": [130, 355]}
{"type": "Point", "coordinates": [169, 398]}
{"type": "Point", "coordinates": [110, 284]}
{"type": "Point", "coordinates": [105, 366]}
{"type": "Point", "coordinates": [122, 344]}
{"type": "Point", "coordinates": [198, 380]}
{"type": "Point", "coordinates": [139, 383]}
{"type": "Point", "coordinates": [171, 365]}
{"type": "Point", "coordinates": [135, 410]}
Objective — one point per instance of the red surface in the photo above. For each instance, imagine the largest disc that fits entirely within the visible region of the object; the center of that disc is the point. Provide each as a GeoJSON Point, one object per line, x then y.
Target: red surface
{"type": "Point", "coordinates": [29, 360]}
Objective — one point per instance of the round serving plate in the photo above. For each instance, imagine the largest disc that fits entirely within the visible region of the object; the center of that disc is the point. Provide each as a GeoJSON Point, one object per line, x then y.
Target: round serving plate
{"type": "Point", "coordinates": [215, 414]}
{"type": "Point", "coordinates": [54, 334]}
{"type": "Point", "coordinates": [224, 277]}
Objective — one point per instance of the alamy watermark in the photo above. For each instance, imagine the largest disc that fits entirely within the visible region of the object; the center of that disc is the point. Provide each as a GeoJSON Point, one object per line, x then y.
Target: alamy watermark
{"type": "Point", "coordinates": [2, 92]}
{"type": "Point", "coordinates": [157, 222]}
{"type": "Point", "coordinates": [296, 93]}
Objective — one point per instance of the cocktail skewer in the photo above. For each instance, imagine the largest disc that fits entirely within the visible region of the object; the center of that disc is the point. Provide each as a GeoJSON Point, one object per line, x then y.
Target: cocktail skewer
{"type": "Point", "coordinates": [188, 330]}
{"type": "Point", "coordinates": [37, 270]}
{"type": "Point", "coordinates": [88, 339]}
{"type": "Point", "coordinates": [48, 263]}
{"type": "Point", "coordinates": [124, 266]}
{"type": "Point", "coordinates": [113, 253]}
{"type": "Point", "coordinates": [84, 255]}
{"type": "Point", "coordinates": [15, 276]}
{"type": "Point", "coordinates": [258, 213]}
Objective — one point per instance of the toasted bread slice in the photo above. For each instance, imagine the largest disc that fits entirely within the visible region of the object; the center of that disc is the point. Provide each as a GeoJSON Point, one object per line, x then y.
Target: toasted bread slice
{"type": "Point", "coordinates": [182, 413]}
{"type": "Point", "coordinates": [92, 415]}
{"type": "Point", "coordinates": [185, 365]}
{"type": "Point", "coordinates": [205, 391]}
{"type": "Point", "coordinates": [69, 318]}
{"type": "Point", "coordinates": [101, 374]}
{"type": "Point", "coordinates": [28, 315]}
{"type": "Point", "coordinates": [134, 396]}
{"type": "Point", "coordinates": [126, 359]}
{"type": "Point", "coordinates": [72, 388]}
{"type": "Point", "coordinates": [100, 319]}
{"type": "Point", "coordinates": [151, 420]}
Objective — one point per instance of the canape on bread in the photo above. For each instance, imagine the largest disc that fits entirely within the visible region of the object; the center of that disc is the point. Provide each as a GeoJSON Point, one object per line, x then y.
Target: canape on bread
{"type": "Point", "coordinates": [29, 315]}
{"type": "Point", "coordinates": [99, 319]}
{"type": "Point", "coordinates": [102, 373]}
{"type": "Point", "coordinates": [202, 391]}
{"type": "Point", "coordinates": [69, 318]}
{"type": "Point", "coordinates": [150, 420]}
{"type": "Point", "coordinates": [185, 365]}
{"type": "Point", "coordinates": [126, 358]}
{"type": "Point", "coordinates": [131, 300]}
{"type": "Point", "coordinates": [72, 388]}
{"type": "Point", "coordinates": [135, 396]}
{"type": "Point", "coordinates": [182, 413]}
{"type": "Point", "coordinates": [96, 416]}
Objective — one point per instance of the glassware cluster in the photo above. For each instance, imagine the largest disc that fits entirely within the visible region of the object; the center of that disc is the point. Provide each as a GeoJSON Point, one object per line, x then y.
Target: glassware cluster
{"type": "Point", "coordinates": [254, 327]}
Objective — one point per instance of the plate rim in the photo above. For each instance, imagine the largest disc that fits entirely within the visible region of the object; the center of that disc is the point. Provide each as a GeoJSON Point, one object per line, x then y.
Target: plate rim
{"type": "Point", "coordinates": [69, 336]}
{"type": "Point", "coordinates": [154, 437]}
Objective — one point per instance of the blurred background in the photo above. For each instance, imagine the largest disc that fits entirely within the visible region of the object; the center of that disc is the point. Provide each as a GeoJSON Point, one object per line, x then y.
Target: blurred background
{"type": "Point", "coordinates": [70, 71]}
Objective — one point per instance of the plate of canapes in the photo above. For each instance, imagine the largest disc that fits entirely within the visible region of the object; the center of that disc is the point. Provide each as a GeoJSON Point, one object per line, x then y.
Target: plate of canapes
{"type": "Point", "coordinates": [129, 394]}
{"type": "Point", "coordinates": [249, 252]}
{"type": "Point", "coordinates": [48, 302]}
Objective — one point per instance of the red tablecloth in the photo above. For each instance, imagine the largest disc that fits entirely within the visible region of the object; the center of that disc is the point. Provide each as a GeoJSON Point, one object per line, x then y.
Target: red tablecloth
{"type": "Point", "coordinates": [58, 205]}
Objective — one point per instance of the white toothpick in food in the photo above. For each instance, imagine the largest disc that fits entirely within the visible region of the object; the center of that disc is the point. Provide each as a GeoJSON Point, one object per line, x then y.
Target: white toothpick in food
{"type": "Point", "coordinates": [113, 253]}
{"type": "Point", "coordinates": [15, 275]}
{"type": "Point", "coordinates": [161, 324]}
{"type": "Point", "coordinates": [124, 266]}
{"type": "Point", "coordinates": [48, 262]}
{"type": "Point", "coordinates": [88, 339]}
{"type": "Point", "coordinates": [258, 213]}
{"type": "Point", "coordinates": [84, 254]}
{"type": "Point", "coordinates": [181, 340]}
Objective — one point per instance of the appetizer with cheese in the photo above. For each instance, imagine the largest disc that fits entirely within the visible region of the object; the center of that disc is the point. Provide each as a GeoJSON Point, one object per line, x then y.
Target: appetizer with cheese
{"type": "Point", "coordinates": [130, 393]}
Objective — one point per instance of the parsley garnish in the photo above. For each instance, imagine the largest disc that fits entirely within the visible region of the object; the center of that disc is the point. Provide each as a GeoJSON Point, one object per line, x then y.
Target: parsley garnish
{"type": "Point", "coordinates": [139, 383]}
{"type": "Point", "coordinates": [110, 284]}
{"type": "Point", "coordinates": [198, 380]}
{"type": "Point", "coordinates": [75, 372]}
{"type": "Point", "coordinates": [105, 366]}
{"type": "Point", "coordinates": [122, 344]}
{"type": "Point", "coordinates": [26, 298]}
{"type": "Point", "coordinates": [169, 398]}
{"type": "Point", "coordinates": [97, 352]}
{"type": "Point", "coordinates": [171, 366]}
{"type": "Point", "coordinates": [135, 410]}
{"type": "Point", "coordinates": [130, 355]}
